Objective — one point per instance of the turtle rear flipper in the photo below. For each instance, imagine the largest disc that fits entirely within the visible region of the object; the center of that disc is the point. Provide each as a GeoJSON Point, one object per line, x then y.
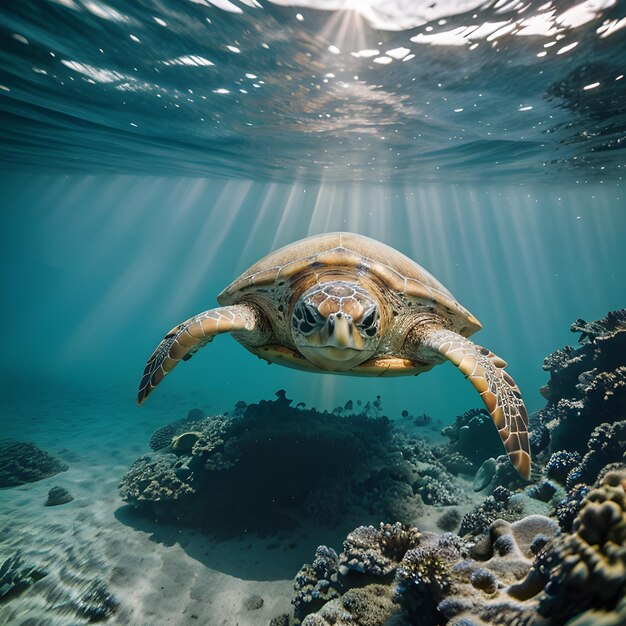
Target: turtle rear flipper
{"type": "Point", "coordinates": [184, 340]}
{"type": "Point", "coordinates": [497, 389]}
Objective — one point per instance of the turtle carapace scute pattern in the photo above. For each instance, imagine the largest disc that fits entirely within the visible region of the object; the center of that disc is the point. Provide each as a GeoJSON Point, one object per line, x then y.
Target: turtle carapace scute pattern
{"type": "Point", "coordinates": [348, 304]}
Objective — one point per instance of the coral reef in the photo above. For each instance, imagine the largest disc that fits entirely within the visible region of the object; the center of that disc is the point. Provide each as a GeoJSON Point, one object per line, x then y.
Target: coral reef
{"type": "Point", "coordinates": [492, 508]}
{"type": "Point", "coordinates": [287, 463]}
{"type": "Point", "coordinates": [585, 411]}
{"type": "Point", "coordinates": [371, 556]}
{"type": "Point", "coordinates": [57, 496]}
{"type": "Point", "coordinates": [317, 583]}
{"type": "Point", "coordinates": [377, 551]}
{"type": "Point", "coordinates": [16, 576]}
{"type": "Point", "coordinates": [25, 463]}
{"type": "Point", "coordinates": [437, 579]}
{"type": "Point", "coordinates": [158, 477]}
{"type": "Point", "coordinates": [449, 520]}
{"type": "Point", "coordinates": [473, 436]}
{"type": "Point", "coordinates": [587, 384]}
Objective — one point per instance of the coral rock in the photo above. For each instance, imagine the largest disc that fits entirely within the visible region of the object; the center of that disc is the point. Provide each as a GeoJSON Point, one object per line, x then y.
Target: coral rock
{"type": "Point", "coordinates": [371, 605]}
{"type": "Point", "coordinates": [159, 477]}
{"type": "Point", "coordinates": [317, 583]}
{"type": "Point", "coordinates": [58, 495]}
{"type": "Point", "coordinates": [377, 551]}
{"type": "Point", "coordinates": [25, 463]}
{"type": "Point", "coordinates": [474, 436]}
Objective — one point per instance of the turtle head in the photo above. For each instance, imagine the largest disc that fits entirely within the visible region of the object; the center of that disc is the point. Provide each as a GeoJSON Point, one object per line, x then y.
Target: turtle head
{"type": "Point", "coordinates": [336, 325]}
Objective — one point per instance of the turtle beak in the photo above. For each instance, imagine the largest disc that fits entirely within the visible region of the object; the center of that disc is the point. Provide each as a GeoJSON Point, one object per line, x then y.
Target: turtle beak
{"type": "Point", "coordinates": [340, 332]}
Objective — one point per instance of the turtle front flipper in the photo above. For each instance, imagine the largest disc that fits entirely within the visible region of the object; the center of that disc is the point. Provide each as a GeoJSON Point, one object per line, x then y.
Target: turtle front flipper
{"type": "Point", "coordinates": [497, 389]}
{"type": "Point", "coordinates": [186, 338]}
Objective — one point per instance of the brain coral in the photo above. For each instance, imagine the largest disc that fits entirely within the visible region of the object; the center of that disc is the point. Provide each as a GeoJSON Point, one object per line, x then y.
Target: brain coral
{"type": "Point", "coordinates": [589, 566]}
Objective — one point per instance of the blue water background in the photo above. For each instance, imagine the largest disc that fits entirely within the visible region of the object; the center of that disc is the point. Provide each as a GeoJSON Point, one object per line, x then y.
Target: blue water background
{"type": "Point", "coordinates": [151, 151]}
{"type": "Point", "coordinates": [97, 269]}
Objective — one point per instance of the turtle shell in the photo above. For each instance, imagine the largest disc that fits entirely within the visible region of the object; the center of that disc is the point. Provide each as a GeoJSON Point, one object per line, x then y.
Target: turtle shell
{"type": "Point", "coordinates": [393, 269]}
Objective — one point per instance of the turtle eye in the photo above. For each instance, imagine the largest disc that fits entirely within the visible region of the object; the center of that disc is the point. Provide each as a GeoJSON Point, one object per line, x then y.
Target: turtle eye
{"type": "Point", "coordinates": [309, 316]}
{"type": "Point", "coordinates": [368, 325]}
{"type": "Point", "coordinates": [305, 318]}
{"type": "Point", "coordinates": [369, 319]}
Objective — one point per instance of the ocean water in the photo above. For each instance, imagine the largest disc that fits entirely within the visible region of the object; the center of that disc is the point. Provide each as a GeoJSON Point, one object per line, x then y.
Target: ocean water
{"type": "Point", "coordinates": [151, 151]}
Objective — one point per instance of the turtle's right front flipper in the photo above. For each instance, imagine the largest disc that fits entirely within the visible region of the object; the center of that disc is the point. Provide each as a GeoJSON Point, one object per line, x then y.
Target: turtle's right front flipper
{"type": "Point", "coordinates": [183, 340]}
{"type": "Point", "coordinates": [497, 389]}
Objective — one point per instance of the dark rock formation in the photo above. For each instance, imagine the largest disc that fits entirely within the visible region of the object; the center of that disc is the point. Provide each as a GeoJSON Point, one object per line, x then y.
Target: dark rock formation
{"type": "Point", "coordinates": [473, 436]}
{"type": "Point", "coordinates": [26, 463]}
{"type": "Point", "coordinates": [285, 463]}
{"type": "Point", "coordinates": [58, 495]}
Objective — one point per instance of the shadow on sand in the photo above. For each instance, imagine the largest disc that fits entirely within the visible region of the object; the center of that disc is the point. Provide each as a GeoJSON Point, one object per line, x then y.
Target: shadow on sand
{"type": "Point", "coordinates": [244, 554]}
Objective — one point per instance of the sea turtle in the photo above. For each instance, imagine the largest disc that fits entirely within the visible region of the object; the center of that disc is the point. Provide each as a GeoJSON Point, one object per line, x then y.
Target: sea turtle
{"type": "Point", "coordinates": [344, 303]}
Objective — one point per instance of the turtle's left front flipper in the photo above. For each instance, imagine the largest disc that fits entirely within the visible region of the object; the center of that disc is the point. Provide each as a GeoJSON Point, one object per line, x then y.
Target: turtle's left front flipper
{"type": "Point", "coordinates": [497, 389]}
{"type": "Point", "coordinates": [186, 338]}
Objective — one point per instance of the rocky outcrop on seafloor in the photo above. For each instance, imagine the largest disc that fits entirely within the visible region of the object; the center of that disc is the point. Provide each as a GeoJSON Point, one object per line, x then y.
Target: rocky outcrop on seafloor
{"type": "Point", "coordinates": [286, 464]}
{"type": "Point", "coordinates": [57, 496]}
{"type": "Point", "coordinates": [26, 463]}
{"type": "Point", "coordinates": [526, 572]}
